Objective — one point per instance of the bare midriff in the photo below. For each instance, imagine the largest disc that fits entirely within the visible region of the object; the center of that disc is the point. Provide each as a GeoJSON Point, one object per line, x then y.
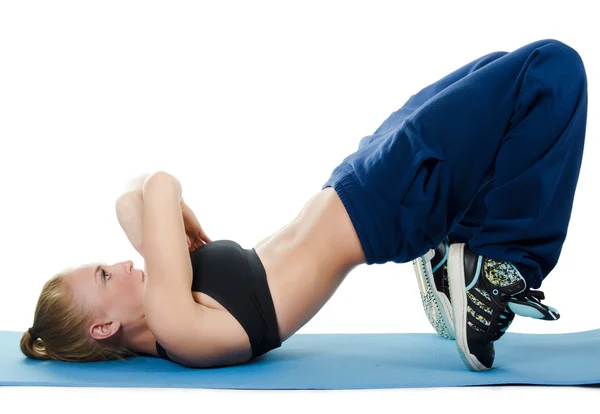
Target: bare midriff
{"type": "Point", "coordinates": [307, 260]}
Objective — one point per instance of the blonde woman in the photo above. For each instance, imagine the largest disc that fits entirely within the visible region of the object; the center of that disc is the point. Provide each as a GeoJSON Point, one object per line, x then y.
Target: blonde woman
{"type": "Point", "coordinates": [483, 162]}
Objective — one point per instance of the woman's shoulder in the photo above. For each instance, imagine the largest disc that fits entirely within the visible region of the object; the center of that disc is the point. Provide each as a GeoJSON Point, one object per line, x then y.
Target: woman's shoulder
{"type": "Point", "coordinates": [213, 338]}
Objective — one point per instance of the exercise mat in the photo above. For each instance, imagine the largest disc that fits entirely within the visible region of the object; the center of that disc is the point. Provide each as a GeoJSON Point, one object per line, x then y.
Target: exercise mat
{"type": "Point", "coordinates": [332, 361]}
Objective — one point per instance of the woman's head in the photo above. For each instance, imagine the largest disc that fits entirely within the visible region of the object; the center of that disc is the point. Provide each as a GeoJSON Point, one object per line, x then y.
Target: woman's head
{"type": "Point", "coordinates": [84, 313]}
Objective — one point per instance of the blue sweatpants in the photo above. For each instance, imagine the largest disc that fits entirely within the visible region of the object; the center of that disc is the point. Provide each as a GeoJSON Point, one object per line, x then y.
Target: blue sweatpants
{"type": "Point", "coordinates": [489, 155]}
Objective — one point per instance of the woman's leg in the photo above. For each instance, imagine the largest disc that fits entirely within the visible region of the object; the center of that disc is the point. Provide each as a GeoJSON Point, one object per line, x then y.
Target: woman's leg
{"type": "Point", "coordinates": [387, 130]}
{"type": "Point", "coordinates": [528, 206]}
{"type": "Point", "coordinates": [419, 99]}
{"type": "Point", "coordinates": [519, 119]}
{"type": "Point", "coordinates": [431, 268]}
{"type": "Point", "coordinates": [470, 223]}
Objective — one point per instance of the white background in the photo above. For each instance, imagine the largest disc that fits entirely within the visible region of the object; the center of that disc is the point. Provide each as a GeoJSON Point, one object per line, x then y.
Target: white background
{"type": "Point", "coordinates": [251, 105]}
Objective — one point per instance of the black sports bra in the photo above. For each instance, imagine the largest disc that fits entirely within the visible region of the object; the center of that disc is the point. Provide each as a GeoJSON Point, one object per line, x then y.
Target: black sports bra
{"type": "Point", "coordinates": [236, 278]}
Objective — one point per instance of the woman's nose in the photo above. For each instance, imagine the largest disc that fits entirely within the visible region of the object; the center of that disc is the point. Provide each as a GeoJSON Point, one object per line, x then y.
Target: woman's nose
{"type": "Point", "coordinates": [128, 266]}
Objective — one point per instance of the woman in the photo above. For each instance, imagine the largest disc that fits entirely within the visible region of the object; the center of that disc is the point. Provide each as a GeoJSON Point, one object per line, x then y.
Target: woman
{"type": "Point", "coordinates": [488, 156]}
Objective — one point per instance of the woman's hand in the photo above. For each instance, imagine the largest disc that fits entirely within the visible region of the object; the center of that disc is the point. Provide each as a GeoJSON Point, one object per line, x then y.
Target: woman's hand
{"type": "Point", "coordinates": [196, 236]}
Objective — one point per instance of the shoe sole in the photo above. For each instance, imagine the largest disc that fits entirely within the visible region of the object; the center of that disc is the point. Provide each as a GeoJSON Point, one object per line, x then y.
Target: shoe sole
{"type": "Point", "coordinates": [443, 324]}
{"type": "Point", "coordinates": [458, 292]}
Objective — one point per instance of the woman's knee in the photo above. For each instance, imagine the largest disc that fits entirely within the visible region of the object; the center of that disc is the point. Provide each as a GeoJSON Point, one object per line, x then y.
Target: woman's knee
{"type": "Point", "coordinates": [566, 61]}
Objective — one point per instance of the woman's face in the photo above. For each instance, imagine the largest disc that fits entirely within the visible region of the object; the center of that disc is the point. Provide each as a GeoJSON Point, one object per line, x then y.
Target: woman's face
{"type": "Point", "coordinates": [113, 293]}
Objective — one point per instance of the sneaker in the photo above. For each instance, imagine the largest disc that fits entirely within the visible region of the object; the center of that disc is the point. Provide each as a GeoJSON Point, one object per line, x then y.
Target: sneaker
{"type": "Point", "coordinates": [431, 270]}
{"type": "Point", "coordinates": [486, 295]}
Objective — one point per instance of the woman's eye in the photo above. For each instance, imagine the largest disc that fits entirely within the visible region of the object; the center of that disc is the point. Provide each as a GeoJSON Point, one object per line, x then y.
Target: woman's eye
{"type": "Point", "coordinates": [104, 274]}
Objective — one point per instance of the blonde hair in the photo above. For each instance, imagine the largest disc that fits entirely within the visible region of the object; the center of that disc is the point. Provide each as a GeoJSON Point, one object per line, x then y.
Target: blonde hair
{"type": "Point", "coordinates": [61, 327]}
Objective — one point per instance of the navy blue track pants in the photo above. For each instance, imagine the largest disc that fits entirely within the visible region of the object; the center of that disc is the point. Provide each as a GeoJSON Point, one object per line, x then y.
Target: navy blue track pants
{"type": "Point", "coordinates": [490, 155]}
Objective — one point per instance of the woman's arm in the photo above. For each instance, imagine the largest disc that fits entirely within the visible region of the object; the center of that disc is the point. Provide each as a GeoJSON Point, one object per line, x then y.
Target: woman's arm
{"type": "Point", "coordinates": [163, 235]}
{"type": "Point", "coordinates": [135, 185]}
{"type": "Point", "coordinates": [167, 295]}
{"type": "Point", "coordinates": [177, 322]}
{"type": "Point", "coordinates": [129, 208]}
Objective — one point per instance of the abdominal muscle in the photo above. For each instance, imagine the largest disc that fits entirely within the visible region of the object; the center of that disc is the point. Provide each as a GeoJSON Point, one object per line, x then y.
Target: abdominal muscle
{"type": "Point", "coordinates": [305, 262]}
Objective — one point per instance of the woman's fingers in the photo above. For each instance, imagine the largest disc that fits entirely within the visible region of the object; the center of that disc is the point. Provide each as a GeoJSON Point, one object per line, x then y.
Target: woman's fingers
{"type": "Point", "coordinates": [201, 236]}
{"type": "Point", "coordinates": [199, 240]}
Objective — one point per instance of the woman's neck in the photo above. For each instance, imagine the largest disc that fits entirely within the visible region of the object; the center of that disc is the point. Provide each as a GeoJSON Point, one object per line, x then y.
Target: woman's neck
{"type": "Point", "coordinates": [138, 338]}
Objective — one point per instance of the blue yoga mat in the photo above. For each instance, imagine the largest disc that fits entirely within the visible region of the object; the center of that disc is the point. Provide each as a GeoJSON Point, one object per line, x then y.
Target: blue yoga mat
{"type": "Point", "coordinates": [333, 361]}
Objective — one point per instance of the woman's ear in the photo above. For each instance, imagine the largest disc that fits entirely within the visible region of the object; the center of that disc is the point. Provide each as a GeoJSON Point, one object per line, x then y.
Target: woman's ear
{"type": "Point", "coordinates": [104, 330]}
